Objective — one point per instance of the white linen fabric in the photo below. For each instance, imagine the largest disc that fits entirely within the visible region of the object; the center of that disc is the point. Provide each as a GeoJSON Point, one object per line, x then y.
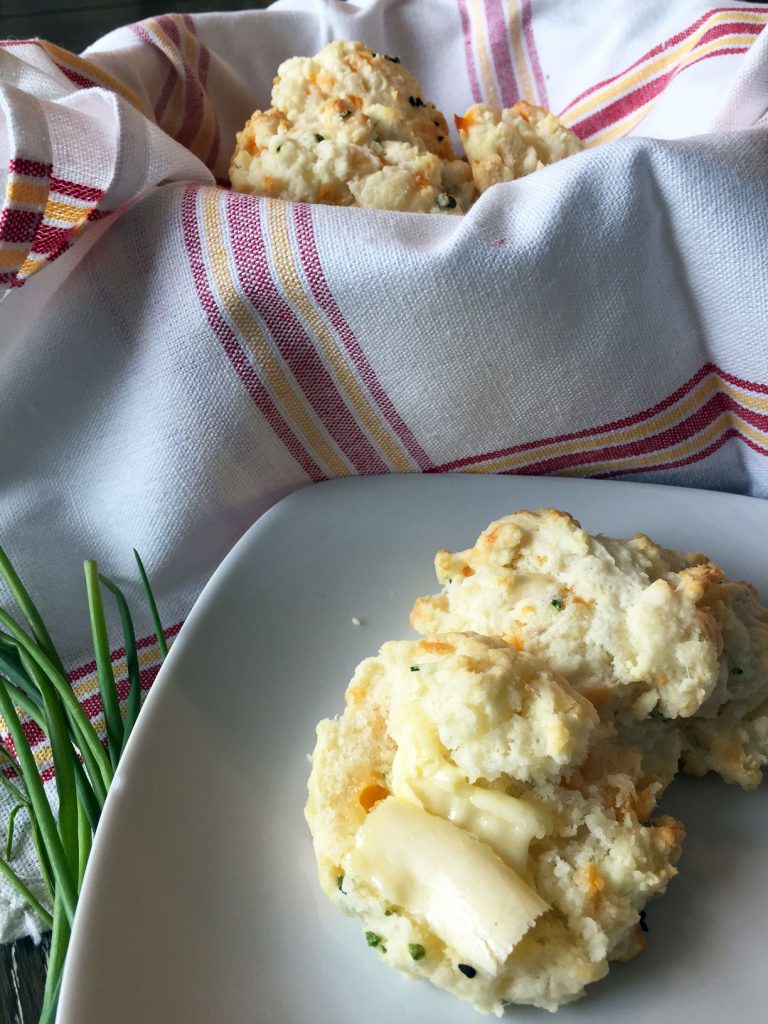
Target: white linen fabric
{"type": "Point", "coordinates": [174, 358]}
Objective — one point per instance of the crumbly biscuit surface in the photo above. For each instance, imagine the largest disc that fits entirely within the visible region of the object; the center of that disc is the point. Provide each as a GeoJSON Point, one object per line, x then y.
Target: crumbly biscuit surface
{"type": "Point", "coordinates": [351, 127]}
{"type": "Point", "coordinates": [638, 629]}
{"type": "Point", "coordinates": [509, 144]}
{"type": "Point", "coordinates": [510, 728]}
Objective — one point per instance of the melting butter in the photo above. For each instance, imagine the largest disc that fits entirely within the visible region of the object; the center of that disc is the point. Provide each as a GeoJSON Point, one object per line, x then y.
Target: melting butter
{"type": "Point", "coordinates": [473, 901]}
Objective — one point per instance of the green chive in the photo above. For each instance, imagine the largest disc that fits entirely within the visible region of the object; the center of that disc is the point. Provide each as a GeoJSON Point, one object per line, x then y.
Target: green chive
{"type": "Point", "coordinates": [372, 939]}
{"type": "Point", "coordinates": [59, 941]}
{"type": "Point", "coordinates": [340, 882]}
{"type": "Point", "coordinates": [416, 950]}
{"type": "Point", "coordinates": [105, 674]}
{"type": "Point", "coordinates": [65, 881]}
{"type": "Point", "coordinates": [415, 668]}
{"type": "Point", "coordinates": [84, 841]}
{"type": "Point", "coordinates": [12, 669]}
{"type": "Point", "coordinates": [94, 755]}
{"type": "Point", "coordinates": [133, 704]}
{"type": "Point", "coordinates": [12, 788]}
{"type": "Point", "coordinates": [319, 137]}
{"type": "Point", "coordinates": [11, 822]}
{"type": "Point", "coordinates": [152, 605]}
{"type": "Point", "coordinates": [63, 761]}
{"type": "Point", "coordinates": [29, 610]}
{"type": "Point", "coordinates": [23, 691]}
{"type": "Point", "coordinates": [388, 913]}
{"type": "Point", "coordinates": [557, 603]}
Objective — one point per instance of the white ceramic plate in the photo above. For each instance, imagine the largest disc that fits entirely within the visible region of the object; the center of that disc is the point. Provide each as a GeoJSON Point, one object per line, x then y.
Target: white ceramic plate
{"type": "Point", "coordinates": [200, 904]}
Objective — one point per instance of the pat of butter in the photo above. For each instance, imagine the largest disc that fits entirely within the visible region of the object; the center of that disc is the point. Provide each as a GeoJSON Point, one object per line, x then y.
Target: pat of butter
{"type": "Point", "coordinates": [478, 906]}
{"type": "Point", "coordinates": [423, 777]}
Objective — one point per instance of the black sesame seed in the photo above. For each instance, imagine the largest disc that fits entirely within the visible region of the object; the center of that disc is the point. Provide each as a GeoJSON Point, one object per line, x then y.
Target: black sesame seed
{"type": "Point", "coordinates": [436, 124]}
{"type": "Point", "coordinates": [415, 101]}
{"type": "Point", "coordinates": [440, 138]}
{"type": "Point", "coordinates": [445, 202]}
{"type": "Point", "coordinates": [467, 971]}
{"type": "Point", "coordinates": [414, 668]}
{"type": "Point", "coordinates": [395, 60]}
{"type": "Point", "coordinates": [319, 137]}
{"type": "Point", "coordinates": [736, 671]}
{"type": "Point", "coordinates": [643, 926]}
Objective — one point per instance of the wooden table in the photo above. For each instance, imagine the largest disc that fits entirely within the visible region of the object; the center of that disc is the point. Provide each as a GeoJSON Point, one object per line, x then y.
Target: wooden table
{"type": "Point", "coordinates": [72, 24]}
{"type": "Point", "coordinates": [22, 977]}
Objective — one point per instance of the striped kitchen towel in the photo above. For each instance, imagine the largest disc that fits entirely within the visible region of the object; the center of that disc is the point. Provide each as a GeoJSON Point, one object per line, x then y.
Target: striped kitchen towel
{"type": "Point", "coordinates": [174, 357]}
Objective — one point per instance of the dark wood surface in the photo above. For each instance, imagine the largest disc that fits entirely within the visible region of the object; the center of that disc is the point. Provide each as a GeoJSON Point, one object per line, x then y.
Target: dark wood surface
{"type": "Point", "coordinates": [22, 977]}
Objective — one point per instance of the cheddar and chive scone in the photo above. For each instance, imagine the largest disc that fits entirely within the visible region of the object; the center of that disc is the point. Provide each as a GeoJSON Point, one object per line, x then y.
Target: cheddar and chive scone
{"type": "Point", "coordinates": [648, 635]}
{"type": "Point", "coordinates": [503, 146]}
{"type": "Point", "coordinates": [351, 127]}
{"type": "Point", "coordinates": [470, 807]}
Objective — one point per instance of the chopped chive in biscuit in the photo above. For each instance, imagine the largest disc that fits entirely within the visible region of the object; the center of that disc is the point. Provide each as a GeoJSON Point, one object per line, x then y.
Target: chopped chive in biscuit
{"type": "Point", "coordinates": [340, 882]}
{"type": "Point", "coordinates": [416, 950]}
{"type": "Point", "coordinates": [415, 668]}
{"type": "Point", "coordinates": [445, 202]}
{"type": "Point", "coordinates": [372, 939]}
{"type": "Point", "coordinates": [557, 603]}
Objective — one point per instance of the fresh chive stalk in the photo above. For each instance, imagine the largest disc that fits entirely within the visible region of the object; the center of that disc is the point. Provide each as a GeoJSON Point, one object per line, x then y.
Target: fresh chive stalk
{"type": "Point", "coordinates": [159, 631]}
{"type": "Point", "coordinates": [133, 703]}
{"type": "Point", "coordinates": [34, 683]}
{"type": "Point", "coordinates": [109, 700]}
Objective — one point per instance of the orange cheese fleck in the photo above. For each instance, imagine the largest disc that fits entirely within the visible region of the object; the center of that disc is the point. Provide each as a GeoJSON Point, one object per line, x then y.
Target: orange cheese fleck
{"type": "Point", "coordinates": [371, 795]}
{"type": "Point", "coordinates": [595, 881]}
{"type": "Point", "coordinates": [515, 640]}
{"type": "Point", "coordinates": [436, 647]}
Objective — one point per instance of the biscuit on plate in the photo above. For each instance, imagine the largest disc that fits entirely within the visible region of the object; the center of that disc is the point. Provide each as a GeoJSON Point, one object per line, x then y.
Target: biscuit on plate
{"type": "Point", "coordinates": [508, 144]}
{"type": "Point", "coordinates": [351, 127]}
{"type": "Point", "coordinates": [638, 629]}
{"type": "Point", "coordinates": [447, 813]}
